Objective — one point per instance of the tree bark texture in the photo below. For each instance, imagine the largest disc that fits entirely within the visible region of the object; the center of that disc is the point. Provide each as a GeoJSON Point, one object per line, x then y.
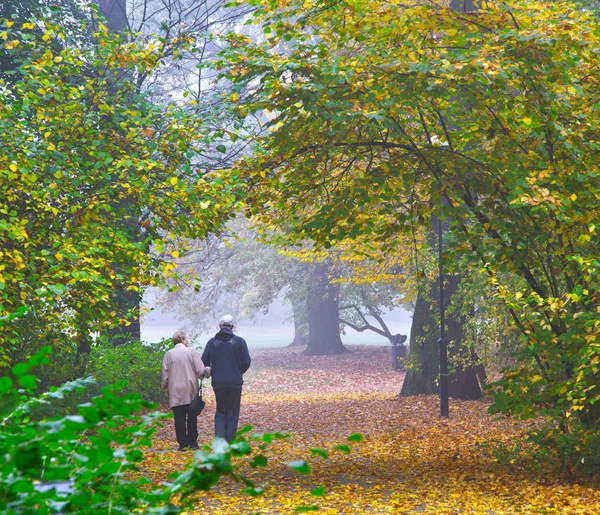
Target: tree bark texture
{"type": "Point", "coordinates": [424, 350]}
{"type": "Point", "coordinates": [323, 314]}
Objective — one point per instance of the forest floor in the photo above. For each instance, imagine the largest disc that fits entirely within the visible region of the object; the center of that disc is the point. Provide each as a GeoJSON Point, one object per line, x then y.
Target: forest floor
{"type": "Point", "coordinates": [410, 461]}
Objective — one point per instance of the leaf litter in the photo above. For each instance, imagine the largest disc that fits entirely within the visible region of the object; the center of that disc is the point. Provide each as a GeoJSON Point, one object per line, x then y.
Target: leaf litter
{"type": "Point", "coordinates": [409, 460]}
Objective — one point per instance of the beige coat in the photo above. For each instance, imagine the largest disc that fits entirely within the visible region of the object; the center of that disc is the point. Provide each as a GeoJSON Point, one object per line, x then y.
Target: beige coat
{"type": "Point", "coordinates": [181, 369]}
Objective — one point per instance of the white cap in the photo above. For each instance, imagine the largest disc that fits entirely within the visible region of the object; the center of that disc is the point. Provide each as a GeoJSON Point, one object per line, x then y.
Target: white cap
{"type": "Point", "coordinates": [226, 321]}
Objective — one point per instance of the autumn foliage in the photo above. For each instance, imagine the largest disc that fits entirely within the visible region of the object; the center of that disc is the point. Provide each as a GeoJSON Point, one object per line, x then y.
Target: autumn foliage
{"type": "Point", "coordinates": [409, 459]}
{"type": "Point", "coordinates": [97, 181]}
{"type": "Point", "coordinates": [487, 119]}
{"type": "Point", "coordinates": [379, 119]}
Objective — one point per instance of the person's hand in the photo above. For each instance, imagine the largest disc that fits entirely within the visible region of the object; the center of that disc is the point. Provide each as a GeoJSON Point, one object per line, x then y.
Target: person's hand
{"type": "Point", "coordinates": [206, 373]}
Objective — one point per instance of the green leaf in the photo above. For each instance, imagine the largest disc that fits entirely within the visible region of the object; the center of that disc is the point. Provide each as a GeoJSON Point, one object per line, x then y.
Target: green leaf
{"type": "Point", "coordinates": [320, 452]}
{"type": "Point", "coordinates": [221, 148]}
{"type": "Point", "coordinates": [6, 384]}
{"type": "Point", "coordinates": [259, 461]}
{"type": "Point", "coordinates": [300, 466]}
{"type": "Point", "coordinates": [246, 429]}
{"type": "Point", "coordinates": [21, 369]}
{"type": "Point", "coordinates": [28, 381]}
{"type": "Point", "coordinates": [219, 445]}
{"type": "Point", "coordinates": [356, 437]}
{"type": "Point", "coordinates": [343, 448]}
{"type": "Point", "coordinates": [254, 491]}
{"type": "Point", "coordinates": [241, 448]}
{"type": "Point", "coordinates": [319, 491]}
{"type": "Point", "coordinates": [21, 486]}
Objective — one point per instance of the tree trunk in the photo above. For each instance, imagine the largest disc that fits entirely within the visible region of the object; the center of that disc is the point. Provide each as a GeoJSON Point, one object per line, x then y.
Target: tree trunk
{"type": "Point", "coordinates": [462, 381]}
{"type": "Point", "coordinates": [422, 375]}
{"type": "Point", "coordinates": [115, 12]}
{"type": "Point", "coordinates": [299, 308]}
{"type": "Point", "coordinates": [323, 314]}
{"type": "Point", "coordinates": [423, 352]}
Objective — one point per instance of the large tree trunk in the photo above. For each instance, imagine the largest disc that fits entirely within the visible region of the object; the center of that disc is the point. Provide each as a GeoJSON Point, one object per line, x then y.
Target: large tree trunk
{"type": "Point", "coordinates": [424, 350]}
{"type": "Point", "coordinates": [462, 382]}
{"type": "Point", "coordinates": [323, 314]}
{"type": "Point", "coordinates": [299, 309]}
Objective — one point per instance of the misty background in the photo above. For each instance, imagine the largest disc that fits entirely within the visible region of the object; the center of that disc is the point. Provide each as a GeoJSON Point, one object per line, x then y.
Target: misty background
{"type": "Point", "coordinates": [266, 330]}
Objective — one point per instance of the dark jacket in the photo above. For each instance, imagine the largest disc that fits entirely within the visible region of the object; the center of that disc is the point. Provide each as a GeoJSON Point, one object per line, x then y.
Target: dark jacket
{"type": "Point", "coordinates": [228, 357]}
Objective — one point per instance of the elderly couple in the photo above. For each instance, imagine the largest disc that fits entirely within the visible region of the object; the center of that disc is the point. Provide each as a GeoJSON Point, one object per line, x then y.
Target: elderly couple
{"type": "Point", "coordinates": [225, 359]}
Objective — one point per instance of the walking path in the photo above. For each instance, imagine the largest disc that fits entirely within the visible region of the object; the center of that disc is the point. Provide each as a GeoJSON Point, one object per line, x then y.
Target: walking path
{"type": "Point", "coordinates": [410, 460]}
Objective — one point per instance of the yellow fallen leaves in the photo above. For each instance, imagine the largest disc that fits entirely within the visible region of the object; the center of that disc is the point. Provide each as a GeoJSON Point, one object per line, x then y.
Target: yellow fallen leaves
{"type": "Point", "coordinates": [410, 461]}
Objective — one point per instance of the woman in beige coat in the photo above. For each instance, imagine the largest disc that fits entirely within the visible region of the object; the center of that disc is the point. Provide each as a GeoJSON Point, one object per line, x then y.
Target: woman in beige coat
{"type": "Point", "coordinates": [181, 370]}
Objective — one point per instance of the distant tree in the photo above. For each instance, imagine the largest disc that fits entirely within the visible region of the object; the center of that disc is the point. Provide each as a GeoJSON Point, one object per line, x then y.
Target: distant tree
{"type": "Point", "coordinates": [237, 272]}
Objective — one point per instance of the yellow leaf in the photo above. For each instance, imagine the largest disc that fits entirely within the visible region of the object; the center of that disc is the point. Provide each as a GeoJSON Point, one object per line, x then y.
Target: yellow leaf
{"type": "Point", "coordinates": [59, 256]}
{"type": "Point", "coordinates": [573, 197]}
{"type": "Point", "coordinates": [13, 167]}
{"type": "Point", "coordinates": [173, 180]}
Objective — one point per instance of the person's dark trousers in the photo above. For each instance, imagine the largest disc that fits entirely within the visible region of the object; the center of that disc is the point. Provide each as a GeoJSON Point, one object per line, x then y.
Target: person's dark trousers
{"type": "Point", "coordinates": [186, 426]}
{"type": "Point", "coordinates": [228, 411]}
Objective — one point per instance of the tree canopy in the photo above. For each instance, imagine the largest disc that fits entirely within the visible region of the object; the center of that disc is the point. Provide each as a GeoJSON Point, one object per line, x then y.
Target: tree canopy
{"type": "Point", "coordinates": [82, 144]}
{"type": "Point", "coordinates": [385, 115]}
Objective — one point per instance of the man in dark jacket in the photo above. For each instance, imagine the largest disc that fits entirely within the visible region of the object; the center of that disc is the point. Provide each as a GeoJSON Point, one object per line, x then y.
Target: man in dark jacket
{"type": "Point", "coordinates": [228, 358]}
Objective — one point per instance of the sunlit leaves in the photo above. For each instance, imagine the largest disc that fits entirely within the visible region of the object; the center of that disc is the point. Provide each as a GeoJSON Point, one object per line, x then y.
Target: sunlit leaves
{"type": "Point", "coordinates": [300, 466]}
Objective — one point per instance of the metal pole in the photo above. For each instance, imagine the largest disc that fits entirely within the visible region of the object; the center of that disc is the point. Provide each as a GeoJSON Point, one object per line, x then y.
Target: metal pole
{"type": "Point", "coordinates": [442, 341]}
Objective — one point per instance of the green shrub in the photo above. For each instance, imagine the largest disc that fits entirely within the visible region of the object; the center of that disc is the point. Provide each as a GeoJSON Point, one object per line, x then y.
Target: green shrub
{"type": "Point", "coordinates": [577, 451]}
{"type": "Point", "coordinates": [87, 462]}
{"type": "Point", "coordinates": [137, 363]}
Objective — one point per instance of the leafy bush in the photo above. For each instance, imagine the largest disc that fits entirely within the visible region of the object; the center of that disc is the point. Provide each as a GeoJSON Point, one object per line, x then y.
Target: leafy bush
{"type": "Point", "coordinates": [137, 363]}
{"type": "Point", "coordinates": [85, 463]}
{"type": "Point", "coordinates": [577, 451]}
{"type": "Point", "coordinates": [75, 463]}
{"type": "Point", "coordinates": [549, 450]}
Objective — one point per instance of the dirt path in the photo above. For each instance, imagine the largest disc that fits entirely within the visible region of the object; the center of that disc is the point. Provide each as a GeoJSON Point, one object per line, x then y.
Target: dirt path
{"type": "Point", "coordinates": [410, 460]}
